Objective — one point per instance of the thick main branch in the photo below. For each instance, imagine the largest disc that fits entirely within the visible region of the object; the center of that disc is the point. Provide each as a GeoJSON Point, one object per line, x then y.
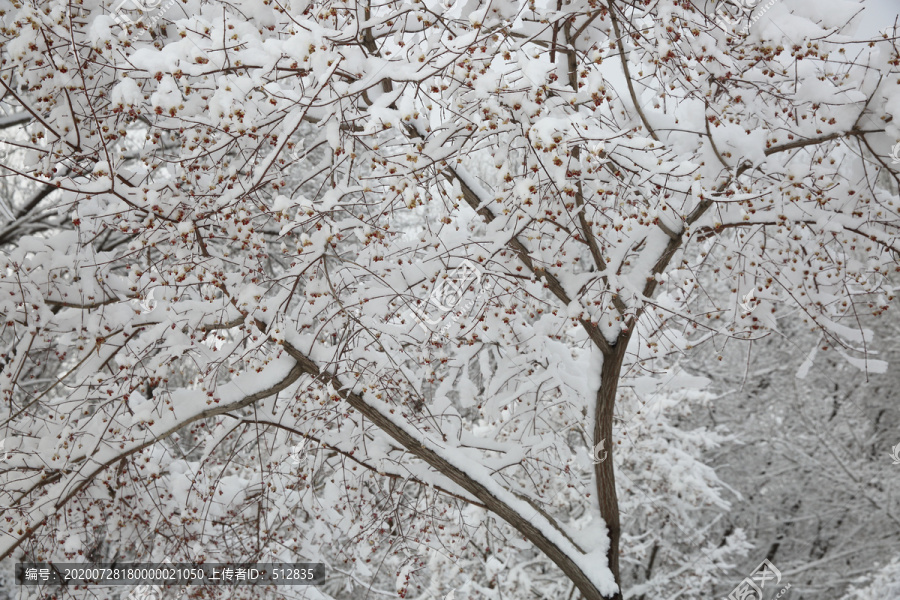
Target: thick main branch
{"type": "Point", "coordinates": [544, 533]}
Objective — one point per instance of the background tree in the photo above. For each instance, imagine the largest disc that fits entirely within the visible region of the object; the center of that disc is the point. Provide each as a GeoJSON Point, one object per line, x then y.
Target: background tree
{"type": "Point", "coordinates": [498, 216]}
{"type": "Point", "coordinates": [817, 486]}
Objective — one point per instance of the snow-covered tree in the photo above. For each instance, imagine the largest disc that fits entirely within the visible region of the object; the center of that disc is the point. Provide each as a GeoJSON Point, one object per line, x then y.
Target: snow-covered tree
{"type": "Point", "coordinates": [885, 583]}
{"type": "Point", "coordinates": [434, 244]}
{"type": "Point", "coordinates": [818, 490]}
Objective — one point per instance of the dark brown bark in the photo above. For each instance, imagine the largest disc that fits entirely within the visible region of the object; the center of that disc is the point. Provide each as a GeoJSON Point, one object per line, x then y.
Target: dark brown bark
{"type": "Point", "coordinates": [604, 470]}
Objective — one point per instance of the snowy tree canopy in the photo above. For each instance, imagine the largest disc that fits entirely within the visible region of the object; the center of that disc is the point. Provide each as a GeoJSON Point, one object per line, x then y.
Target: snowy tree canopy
{"type": "Point", "coordinates": [438, 245]}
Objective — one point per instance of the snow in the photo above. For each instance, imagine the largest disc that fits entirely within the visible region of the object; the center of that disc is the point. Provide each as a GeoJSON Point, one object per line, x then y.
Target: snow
{"type": "Point", "coordinates": [601, 577]}
{"type": "Point", "coordinates": [164, 253]}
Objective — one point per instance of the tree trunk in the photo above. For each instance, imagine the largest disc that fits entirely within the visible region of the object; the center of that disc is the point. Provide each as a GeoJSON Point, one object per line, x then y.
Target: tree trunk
{"type": "Point", "coordinates": [603, 468]}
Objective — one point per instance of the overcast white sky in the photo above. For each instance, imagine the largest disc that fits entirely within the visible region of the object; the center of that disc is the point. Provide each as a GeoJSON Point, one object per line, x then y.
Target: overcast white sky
{"type": "Point", "coordinates": [877, 14]}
